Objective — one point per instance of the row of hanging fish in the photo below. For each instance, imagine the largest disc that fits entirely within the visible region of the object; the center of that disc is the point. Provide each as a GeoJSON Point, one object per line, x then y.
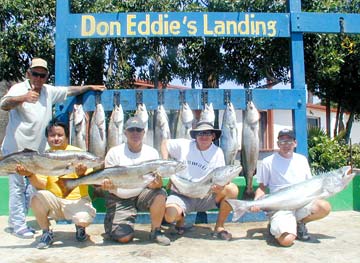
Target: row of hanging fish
{"type": "Point", "coordinates": [96, 137]}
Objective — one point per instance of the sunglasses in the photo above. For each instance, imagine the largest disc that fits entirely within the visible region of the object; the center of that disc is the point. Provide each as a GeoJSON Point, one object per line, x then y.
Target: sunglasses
{"type": "Point", "coordinates": [37, 74]}
{"type": "Point", "coordinates": [285, 142]}
{"type": "Point", "coordinates": [133, 129]}
{"type": "Point", "coordinates": [204, 133]}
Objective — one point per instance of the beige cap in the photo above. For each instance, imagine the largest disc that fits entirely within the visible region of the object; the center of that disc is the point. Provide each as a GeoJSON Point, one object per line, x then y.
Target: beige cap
{"type": "Point", "coordinates": [134, 122]}
{"type": "Point", "coordinates": [39, 63]}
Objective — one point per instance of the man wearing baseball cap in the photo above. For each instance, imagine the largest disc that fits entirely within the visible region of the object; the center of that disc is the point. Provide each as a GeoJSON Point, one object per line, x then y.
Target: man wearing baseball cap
{"type": "Point", "coordinates": [29, 104]}
{"type": "Point", "coordinates": [122, 205]}
{"type": "Point", "coordinates": [282, 169]}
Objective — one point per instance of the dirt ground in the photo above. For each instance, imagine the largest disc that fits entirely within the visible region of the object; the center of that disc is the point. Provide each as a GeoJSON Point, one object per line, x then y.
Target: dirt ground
{"type": "Point", "coordinates": [334, 239]}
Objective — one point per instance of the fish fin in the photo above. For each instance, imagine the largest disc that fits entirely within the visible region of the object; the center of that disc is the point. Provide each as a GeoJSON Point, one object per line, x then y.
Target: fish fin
{"type": "Point", "coordinates": [238, 210]}
{"type": "Point", "coordinates": [63, 185]}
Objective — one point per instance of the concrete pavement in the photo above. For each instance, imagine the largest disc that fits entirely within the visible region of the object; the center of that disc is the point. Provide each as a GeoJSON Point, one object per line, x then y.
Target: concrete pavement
{"type": "Point", "coordinates": [334, 239]}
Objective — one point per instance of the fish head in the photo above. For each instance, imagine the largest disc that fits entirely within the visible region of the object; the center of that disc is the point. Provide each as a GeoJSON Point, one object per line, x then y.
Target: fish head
{"type": "Point", "coordinates": [223, 175]}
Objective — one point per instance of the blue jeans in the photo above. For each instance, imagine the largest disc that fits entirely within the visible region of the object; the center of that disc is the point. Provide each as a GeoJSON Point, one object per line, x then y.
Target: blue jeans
{"type": "Point", "coordinates": [20, 192]}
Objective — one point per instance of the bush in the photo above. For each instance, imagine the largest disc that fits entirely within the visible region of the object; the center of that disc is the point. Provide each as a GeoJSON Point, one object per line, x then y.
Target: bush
{"type": "Point", "coordinates": [326, 154]}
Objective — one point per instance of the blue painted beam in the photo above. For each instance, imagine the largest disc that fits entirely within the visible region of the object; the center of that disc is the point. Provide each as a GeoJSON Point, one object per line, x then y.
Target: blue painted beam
{"type": "Point", "coordinates": [325, 23]}
{"type": "Point", "coordinates": [263, 98]}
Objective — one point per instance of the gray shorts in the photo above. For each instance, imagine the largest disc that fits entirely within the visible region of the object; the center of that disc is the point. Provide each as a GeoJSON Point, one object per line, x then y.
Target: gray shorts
{"type": "Point", "coordinates": [121, 213]}
{"type": "Point", "coordinates": [286, 221]}
{"type": "Point", "coordinates": [189, 204]}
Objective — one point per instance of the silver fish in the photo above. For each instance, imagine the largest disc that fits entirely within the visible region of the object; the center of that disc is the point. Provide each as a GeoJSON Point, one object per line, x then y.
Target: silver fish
{"type": "Point", "coordinates": [125, 177]}
{"type": "Point", "coordinates": [184, 123]}
{"type": "Point", "coordinates": [97, 144]}
{"type": "Point", "coordinates": [298, 195]}
{"type": "Point", "coordinates": [229, 141]}
{"type": "Point", "coordinates": [201, 188]}
{"type": "Point", "coordinates": [250, 146]}
{"type": "Point", "coordinates": [142, 113]}
{"type": "Point", "coordinates": [52, 163]}
{"type": "Point", "coordinates": [162, 129]}
{"type": "Point", "coordinates": [115, 127]}
{"type": "Point", "coordinates": [79, 122]}
{"type": "Point", "coordinates": [208, 114]}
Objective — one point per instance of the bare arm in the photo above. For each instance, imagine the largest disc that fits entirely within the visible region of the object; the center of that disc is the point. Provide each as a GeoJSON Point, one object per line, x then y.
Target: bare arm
{"type": "Point", "coordinates": [164, 151]}
{"type": "Point", "coordinates": [260, 192]}
{"type": "Point", "coordinates": [33, 178]}
{"type": "Point", "coordinates": [77, 90]}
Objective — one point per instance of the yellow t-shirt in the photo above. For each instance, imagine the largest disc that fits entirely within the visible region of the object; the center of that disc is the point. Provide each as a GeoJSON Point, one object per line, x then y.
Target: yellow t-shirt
{"type": "Point", "coordinates": [77, 193]}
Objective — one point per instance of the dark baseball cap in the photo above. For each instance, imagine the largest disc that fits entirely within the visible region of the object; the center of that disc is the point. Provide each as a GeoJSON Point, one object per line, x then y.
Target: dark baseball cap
{"type": "Point", "coordinates": [287, 132]}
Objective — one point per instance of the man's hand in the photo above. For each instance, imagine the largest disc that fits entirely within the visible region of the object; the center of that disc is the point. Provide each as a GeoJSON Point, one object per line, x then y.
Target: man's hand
{"type": "Point", "coordinates": [23, 171]}
{"type": "Point", "coordinates": [80, 169]}
{"type": "Point", "coordinates": [31, 97]}
{"type": "Point", "coordinates": [156, 183]}
{"type": "Point", "coordinates": [107, 185]}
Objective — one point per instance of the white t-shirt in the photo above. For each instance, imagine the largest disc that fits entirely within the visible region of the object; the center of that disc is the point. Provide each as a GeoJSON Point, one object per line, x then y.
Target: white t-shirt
{"type": "Point", "coordinates": [277, 172]}
{"type": "Point", "coordinates": [199, 163]}
{"type": "Point", "coordinates": [121, 156]}
{"type": "Point", "coordinates": [27, 121]}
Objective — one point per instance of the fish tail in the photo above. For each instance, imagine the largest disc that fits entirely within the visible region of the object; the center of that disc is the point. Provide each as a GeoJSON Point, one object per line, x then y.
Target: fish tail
{"type": "Point", "coordinates": [238, 210]}
{"type": "Point", "coordinates": [64, 185]}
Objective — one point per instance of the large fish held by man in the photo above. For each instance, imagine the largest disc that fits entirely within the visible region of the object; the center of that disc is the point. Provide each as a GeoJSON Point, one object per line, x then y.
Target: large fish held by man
{"type": "Point", "coordinates": [229, 141]}
{"type": "Point", "coordinates": [298, 195]}
{"type": "Point", "coordinates": [250, 147]}
{"type": "Point", "coordinates": [52, 163]}
{"type": "Point", "coordinates": [125, 177]}
{"type": "Point", "coordinates": [200, 188]}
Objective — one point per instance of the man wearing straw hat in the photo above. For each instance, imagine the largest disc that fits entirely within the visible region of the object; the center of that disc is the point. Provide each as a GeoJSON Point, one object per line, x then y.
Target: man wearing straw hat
{"type": "Point", "coordinates": [201, 156]}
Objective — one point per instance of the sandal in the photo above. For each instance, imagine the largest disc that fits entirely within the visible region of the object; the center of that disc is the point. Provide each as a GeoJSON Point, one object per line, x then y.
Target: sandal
{"type": "Point", "coordinates": [224, 235]}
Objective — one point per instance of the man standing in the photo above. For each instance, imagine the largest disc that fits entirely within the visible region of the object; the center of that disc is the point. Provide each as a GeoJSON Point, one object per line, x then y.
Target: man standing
{"type": "Point", "coordinates": [122, 204]}
{"type": "Point", "coordinates": [201, 156]}
{"type": "Point", "coordinates": [49, 201]}
{"type": "Point", "coordinates": [280, 170]}
{"type": "Point", "coordinates": [30, 109]}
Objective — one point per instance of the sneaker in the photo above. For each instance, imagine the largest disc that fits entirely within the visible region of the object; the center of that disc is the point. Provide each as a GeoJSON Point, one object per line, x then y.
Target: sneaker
{"type": "Point", "coordinates": [47, 238]}
{"type": "Point", "coordinates": [80, 235]}
{"type": "Point", "coordinates": [159, 237]}
{"type": "Point", "coordinates": [302, 232]}
{"type": "Point", "coordinates": [24, 233]}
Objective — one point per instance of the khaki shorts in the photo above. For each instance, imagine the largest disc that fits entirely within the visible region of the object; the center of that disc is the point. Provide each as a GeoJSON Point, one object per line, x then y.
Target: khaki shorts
{"type": "Point", "coordinates": [286, 221]}
{"type": "Point", "coordinates": [79, 211]}
{"type": "Point", "coordinates": [189, 204]}
{"type": "Point", "coordinates": [121, 213]}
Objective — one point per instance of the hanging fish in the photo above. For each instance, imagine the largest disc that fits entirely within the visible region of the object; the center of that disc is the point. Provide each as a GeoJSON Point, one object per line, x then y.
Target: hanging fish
{"type": "Point", "coordinates": [229, 141]}
{"type": "Point", "coordinates": [208, 114]}
{"type": "Point", "coordinates": [184, 123]}
{"type": "Point", "coordinates": [162, 129]}
{"type": "Point", "coordinates": [115, 127]}
{"type": "Point", "coordinates": [250, 147]}
{"type": "Point", "coordinates": [79, 123]}
{"type": "Point", "coordinates": [97, 143]}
